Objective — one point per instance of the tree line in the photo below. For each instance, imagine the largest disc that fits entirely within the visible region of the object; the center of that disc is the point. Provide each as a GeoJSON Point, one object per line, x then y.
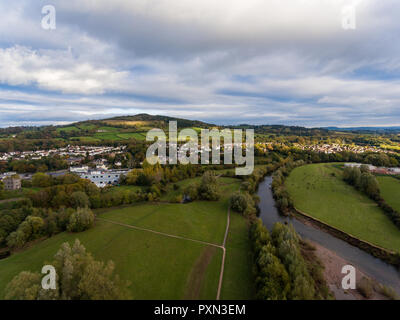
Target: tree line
{"type": "Point", "coordinates": [363, 180]}
{"type": "Point", "coordinates": [281, 272]}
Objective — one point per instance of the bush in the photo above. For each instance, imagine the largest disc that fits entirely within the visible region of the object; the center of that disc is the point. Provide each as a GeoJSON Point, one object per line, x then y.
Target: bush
{"type": "Point", "coordinates": [389, 292]}
{"type": "Point", "coordinates": [191, 192]}
{"type": "Point", "coordinates": [80, 220]}
{"type": "Point", "coordinates": [177, 199]}
{"type": "Point", "coordinates": [208, 189]}
{"type": "Point", "coordinates": [243, 203]}
{"type": "Point", "coordinates": [79, 199]}
{"type": "Point", "coordinates": [79, 277]}
{"type": "Point", "coordinates": [365, 287]}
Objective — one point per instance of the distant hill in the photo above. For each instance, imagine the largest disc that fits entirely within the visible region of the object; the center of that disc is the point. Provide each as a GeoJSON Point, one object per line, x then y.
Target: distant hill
{"type": "Point", "coordinates": [147, 118]}
{"type": "Point", "coordinates": [365, 129]}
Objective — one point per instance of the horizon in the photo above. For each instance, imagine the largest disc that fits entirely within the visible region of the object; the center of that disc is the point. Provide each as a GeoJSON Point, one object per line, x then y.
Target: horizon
{"type": "Point", "coordinates": [210, 122]}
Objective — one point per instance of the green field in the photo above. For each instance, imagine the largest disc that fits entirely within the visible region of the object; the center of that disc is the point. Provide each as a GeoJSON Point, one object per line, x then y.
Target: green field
{"type": "Point", "coordinates": [238, 283]}
{"type": "Point", "coordinates": [85, 139]}
{"type": "Point", "coordinates": [67, 129]}
{"type": "Point", "coordinates": [390, 191]}
{"type": "Point", "coordinates": [319, 191]}
{"type": "Point", "coordinates": [133, 135]}
{"type": "Point", "coordinates": [158, 266]}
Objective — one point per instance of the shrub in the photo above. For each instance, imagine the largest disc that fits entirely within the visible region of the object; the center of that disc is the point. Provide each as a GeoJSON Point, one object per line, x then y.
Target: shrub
{"type": "Point", "coordinates": [365, 287]}
{"type": "Point", "coordinates": [389, 292]}
{"type": "Point", "coordinates": [80, 220]}
{"type": "Point", "coordinates": [79, 199]}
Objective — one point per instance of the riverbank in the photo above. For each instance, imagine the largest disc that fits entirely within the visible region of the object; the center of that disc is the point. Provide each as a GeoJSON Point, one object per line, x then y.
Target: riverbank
{"type": "Point", "coordinates": [378, 252]}
{"type": "Point", "coordinates": [371, 266]}
{"type": "Point", "coordinates": [333, 265]}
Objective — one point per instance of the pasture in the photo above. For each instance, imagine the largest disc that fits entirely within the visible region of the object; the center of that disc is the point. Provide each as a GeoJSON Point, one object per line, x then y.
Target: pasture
{"type": "Point", "coordinates": [319, 191]}
{"type": "Point", "coordinates": [390, 191]}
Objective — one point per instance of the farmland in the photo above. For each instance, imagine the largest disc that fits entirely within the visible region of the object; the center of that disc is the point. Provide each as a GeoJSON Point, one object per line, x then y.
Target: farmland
{"type": "Point", "coordinates": [319, 191]}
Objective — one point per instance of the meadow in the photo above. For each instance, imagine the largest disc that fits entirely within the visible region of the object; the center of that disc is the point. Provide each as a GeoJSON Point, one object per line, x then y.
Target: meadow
{"type": "Point", "coordinates": [159, 266]}
{"type": "Point", "coordinates": [390, 191]}
{"type": "Point", "coordinates": [319, 191]}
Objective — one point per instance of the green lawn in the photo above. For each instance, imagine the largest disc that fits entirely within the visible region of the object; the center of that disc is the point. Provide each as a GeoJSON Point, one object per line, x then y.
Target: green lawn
{"type": "Point", "coordinates": [319, 191]}
{"type": "Point", "coordinates": [390, 191]}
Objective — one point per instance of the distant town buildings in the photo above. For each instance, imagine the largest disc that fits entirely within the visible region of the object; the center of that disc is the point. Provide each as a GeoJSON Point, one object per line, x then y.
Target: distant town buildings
{"type": "Point", "coordinates": [378, 170]}
{"type": "Point", "coordinates": [74, 154]}
{"type": "Point", "coordinates": [335, 148]}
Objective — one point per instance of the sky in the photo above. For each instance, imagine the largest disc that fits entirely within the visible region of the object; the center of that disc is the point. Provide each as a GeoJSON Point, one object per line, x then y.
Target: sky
{"type": "Point", "coordinates": [300, 62]}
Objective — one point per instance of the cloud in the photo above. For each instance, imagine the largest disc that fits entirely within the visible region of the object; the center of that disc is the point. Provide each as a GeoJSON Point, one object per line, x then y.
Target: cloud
{"type": "Point", "coordinates": [226, 61]}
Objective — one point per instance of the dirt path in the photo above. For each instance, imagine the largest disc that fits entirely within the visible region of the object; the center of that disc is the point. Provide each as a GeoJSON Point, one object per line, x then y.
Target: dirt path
{"type": "Point", "coordinates": [221, 274]}
{"type": "Point", "coordinates": [198, 273]}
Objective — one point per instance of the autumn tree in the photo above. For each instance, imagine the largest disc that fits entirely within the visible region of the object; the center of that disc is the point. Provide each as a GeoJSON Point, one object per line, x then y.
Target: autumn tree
{"type": "Point", "coordinates": [81, 220]}
{"type": "Point", "coordinates": [79, 277]}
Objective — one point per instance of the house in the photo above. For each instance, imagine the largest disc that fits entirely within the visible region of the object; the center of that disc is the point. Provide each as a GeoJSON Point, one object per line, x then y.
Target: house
{"type": "Point", "coordinates": [103, 178]}
{"type": "Point", "coordinates": [81, 169]}
{"type": "Point", "coordinates": [12, 182]}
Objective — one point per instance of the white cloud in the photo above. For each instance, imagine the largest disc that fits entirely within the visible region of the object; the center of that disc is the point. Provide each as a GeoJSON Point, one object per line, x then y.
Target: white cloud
{"type": "Point", "coordinates": [226, 60]}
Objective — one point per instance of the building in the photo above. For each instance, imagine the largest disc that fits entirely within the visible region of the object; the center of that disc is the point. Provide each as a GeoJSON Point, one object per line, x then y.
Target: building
{"type": "Point", "coordinates": [103, 178]}
{"type": "Point", "coordinates": [81, 169]}
{"type": "Point", "coordinates": [395, 170]}
{"type": "Point", "coordinates": [12, 182]}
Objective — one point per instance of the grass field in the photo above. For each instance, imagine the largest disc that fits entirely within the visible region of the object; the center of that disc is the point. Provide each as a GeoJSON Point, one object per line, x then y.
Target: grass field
{"type": "Point", "coordinates": [238, 283]}
{"type": "Point", "coordinates": [67, 129]}
{"type": "Point", "coordinates": [85, 139]}
{"type": "Point", "coordinates": [319, 191]}
{"type": "Point", "coordinates": [391, 147]}
{"type": "Point", "coordinates": [133, 135]}
{"type": "Point", "coordinates": [390, 191]}
{"type": "Point", "coordinates": [160, 267]}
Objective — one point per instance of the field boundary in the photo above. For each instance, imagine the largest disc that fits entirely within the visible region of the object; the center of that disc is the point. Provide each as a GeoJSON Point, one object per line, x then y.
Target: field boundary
{"type": "Point", "coordinates": [389, 256]}
{"type": "Point", "coordinates": [223, 246]}
{"type": "Point", "coordinates": [160, 233]}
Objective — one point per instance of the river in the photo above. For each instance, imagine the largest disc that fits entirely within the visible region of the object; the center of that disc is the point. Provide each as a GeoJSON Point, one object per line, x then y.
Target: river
{"type": "Point", "coordinates": [374, 267]}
